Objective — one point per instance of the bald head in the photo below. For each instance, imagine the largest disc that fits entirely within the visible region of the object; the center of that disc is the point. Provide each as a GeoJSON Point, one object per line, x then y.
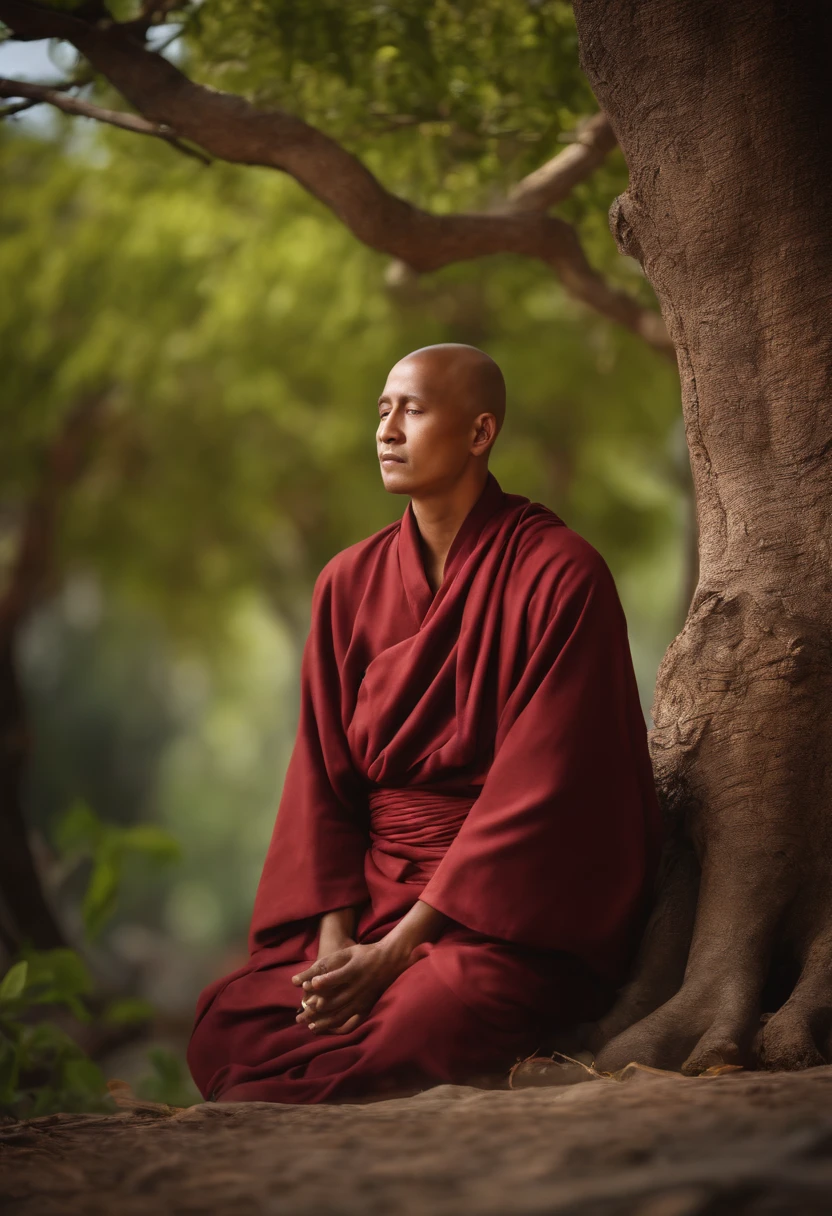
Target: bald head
{"type": "Point", "coordinates": [439, 415]}
{"type": "Point", "coordinates": [463, 376]}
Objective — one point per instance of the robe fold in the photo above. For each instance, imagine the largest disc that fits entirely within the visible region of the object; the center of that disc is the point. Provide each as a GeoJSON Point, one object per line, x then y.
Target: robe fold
{"type": "Point", "coordinates": [482, 749]}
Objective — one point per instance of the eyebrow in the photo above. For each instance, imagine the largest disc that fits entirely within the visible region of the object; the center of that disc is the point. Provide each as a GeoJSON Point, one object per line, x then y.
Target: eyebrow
{"type": "Point", "coordinates": [406, 396]}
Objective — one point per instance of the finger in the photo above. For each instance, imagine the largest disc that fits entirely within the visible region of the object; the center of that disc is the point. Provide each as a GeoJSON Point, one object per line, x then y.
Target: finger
{"type": "Point", "coordinates": [311, 1006]}
{"type": "Point", "coordinates": [332, 979]}
{"type": "Point", "coordinates": [312, 1003]}
{"type": "Point", "coordinates": [335, 1025]}
{"type": "Point", "coordinates": [327, 1018]}
{"type": "Point", "coordinates": [332, 1007]}
{"type": "Point", "coordinates": [349, 1025]}
{"type": "Point", "coordinates": [322, 970]}
{"type": "Point", "coordinates": [309, 1000]}
{"type": "Point", "coordinates": [324, 1010]}
{"type": "Point", "coordinates": [317, 968]}
{"type": "Point", "coordinates": [329, 993]}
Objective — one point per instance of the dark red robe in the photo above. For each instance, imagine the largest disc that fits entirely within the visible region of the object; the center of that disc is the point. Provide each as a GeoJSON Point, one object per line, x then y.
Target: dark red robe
{"type": "Point", "coordinates": [482, 749]}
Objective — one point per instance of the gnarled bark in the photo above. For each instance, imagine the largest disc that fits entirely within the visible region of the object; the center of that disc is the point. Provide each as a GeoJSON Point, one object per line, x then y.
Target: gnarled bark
{"type": "Point", "coordinates": [729, 210]}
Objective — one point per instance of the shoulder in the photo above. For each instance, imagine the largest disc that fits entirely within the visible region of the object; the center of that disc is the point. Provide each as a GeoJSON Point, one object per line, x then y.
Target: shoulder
{"type": "Point", "coordinates": [348, 569]}
{"type": "Point", "coordinates": [566, 580]}
{"type": "Point", "coordinates": [554, 556]}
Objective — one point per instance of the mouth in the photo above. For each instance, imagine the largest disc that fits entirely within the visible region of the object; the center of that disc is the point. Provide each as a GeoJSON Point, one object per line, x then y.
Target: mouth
{"type": "Point", "coordinates": [388, 459]}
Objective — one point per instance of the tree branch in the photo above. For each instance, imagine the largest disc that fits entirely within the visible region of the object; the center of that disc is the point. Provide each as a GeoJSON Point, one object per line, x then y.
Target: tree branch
{"type": "Point", "coordinates": [38, 94]}
{"type": "Point", "coordinates": [10, 111]}
{"type": "Point", "coordinates": [232, 129]}
{"type": "Point", "coordinates": [552, 182]}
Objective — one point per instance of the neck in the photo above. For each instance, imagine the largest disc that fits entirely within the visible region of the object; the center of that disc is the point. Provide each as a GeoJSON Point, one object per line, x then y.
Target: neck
{"type": "Point", "coordinates": [439, 517]}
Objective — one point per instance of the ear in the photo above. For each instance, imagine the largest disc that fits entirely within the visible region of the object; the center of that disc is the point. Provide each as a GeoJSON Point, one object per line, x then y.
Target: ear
{"type": "Point", "coordinates": [486, 431]}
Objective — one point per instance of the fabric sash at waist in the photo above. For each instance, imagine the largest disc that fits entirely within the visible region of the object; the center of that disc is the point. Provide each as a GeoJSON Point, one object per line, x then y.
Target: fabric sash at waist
{"type": "Point", "coordinates": [411, 829]}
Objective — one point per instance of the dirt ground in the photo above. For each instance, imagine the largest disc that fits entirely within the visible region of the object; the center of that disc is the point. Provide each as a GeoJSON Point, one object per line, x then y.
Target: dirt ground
{"type": "Point", "coordinates": [649, 1144]}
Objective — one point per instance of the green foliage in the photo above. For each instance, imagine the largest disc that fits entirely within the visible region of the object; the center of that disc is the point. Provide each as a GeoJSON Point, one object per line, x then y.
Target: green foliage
{"type": "Point", "coordinates": [52, 977]}
{"type": "Point", "coordinates": [128, 1011]}
{"type": "Point", "coordinates": [449, 103]}
{"type": "Point", "coordinates": [80, 833]}
{"type": "Point", "coordinates": [242, 337]}
{"type": "Point", "coordinates": [456, 90]}
{"type": "Point", "coordinates": [14, 982]}
{"type": "Point", "coordinates": [168, 1081]}
{"type": "Point", "coordinates": [42, 1069]}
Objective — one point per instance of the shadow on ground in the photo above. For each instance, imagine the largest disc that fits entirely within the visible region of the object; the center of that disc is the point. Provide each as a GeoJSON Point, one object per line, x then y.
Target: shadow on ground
{"type": "Point", "coordinates": [650, 1145]}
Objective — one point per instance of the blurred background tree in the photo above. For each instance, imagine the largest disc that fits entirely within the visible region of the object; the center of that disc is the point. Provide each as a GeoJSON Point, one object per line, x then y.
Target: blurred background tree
{"type": "Point", "coordinates": [191, 358]}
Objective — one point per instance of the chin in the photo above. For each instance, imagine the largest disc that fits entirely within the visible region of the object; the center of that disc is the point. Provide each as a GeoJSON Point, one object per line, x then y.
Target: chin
{"type": "Point", "coordinates": [395, 478]}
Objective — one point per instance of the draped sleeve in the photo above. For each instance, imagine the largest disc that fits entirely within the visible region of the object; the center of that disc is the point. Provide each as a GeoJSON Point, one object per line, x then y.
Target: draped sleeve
{"type": "Point", "coordinates": [315, 860]}
{"type": "Point", "coordinates": [560, 849]}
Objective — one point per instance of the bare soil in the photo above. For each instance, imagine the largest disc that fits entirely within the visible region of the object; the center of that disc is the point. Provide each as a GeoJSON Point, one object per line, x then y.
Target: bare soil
{"type": "Point", "coordinates": [651, 1144]}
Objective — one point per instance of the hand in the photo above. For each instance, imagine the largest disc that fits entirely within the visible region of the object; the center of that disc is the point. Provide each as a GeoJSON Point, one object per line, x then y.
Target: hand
{"type": "Point", "coordinates": [342, 987]}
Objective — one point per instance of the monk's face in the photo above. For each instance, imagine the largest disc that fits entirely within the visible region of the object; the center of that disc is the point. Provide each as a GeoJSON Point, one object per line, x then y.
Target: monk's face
{"type": "Point", "coordinates": [429, 426]}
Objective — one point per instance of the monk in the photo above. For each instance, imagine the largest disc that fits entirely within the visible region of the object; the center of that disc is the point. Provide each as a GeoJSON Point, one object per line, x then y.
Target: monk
{"type": "Point", "coordinates": [468, 831]}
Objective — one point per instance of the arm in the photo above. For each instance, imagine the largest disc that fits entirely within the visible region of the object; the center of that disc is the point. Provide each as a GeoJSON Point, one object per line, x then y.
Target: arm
{"type": "Point", "coordinates": [315, 860]}
{"type": "Point", "coordinates": [559, 850]}
{"type": "Point", "coordinates": [421, 924]}
{"type": "Point", "coordinates": [337, 931]}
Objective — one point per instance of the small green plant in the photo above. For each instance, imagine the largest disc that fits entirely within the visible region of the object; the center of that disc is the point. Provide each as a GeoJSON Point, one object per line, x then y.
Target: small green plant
{"type": "Point", "coordinates": [168, 1082]}
{"type": "Point", "coordinates": [42, 1068]}
{"type": "Point", "coordinates": [79, 834]}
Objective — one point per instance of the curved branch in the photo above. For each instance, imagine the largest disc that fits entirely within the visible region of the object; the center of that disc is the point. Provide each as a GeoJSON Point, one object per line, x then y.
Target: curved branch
{"type": "Point", "coordinates": [552, 182]}
{"type": "Point", "coordinates": [232, 129]}
{"type": "Point", "coordinates": [19, 108]}
{"type": "Point", "coordinates": [38, 94]}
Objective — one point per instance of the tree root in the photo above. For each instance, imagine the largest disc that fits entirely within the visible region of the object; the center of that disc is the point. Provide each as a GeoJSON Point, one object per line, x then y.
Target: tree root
{"type": "Point", "coordinates": [799, 1034]}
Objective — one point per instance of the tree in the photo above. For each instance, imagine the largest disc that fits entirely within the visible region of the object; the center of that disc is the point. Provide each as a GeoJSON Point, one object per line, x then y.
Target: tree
{"type": "Point", "coordinates": [728, 210]}
{"type": "Point", "coordinates": [25, 912]}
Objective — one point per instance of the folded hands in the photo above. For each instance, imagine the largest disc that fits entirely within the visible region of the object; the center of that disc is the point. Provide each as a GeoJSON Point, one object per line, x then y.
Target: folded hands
{"type": "Point", "coordinates": [340, 988]}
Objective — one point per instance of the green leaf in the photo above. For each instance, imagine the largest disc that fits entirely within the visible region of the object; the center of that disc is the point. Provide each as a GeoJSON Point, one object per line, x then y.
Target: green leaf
{"type": "Point", "coordinates": [78, 829]}
{"type": "Point", "coordinates": [151, 840]}
{"type": "Point", "coordinates": [166, 1065]}
{"type": "Point", "coordinates": [83, 1077]}
{"type": "Point", "coordinates": [101, 894]}
{"type": "Point", "coordinates": [75, 1007]}
{"type": "Point", "coordinates": [46, 1043]}
{"type": "Point", "coordinates": [57, 975]}
{"type": "Point", "coordinates": [169, 1081]}
{"type": "Point", "coordinates": [127, 1012]}
{"type": "Point", "coordinates": [46, 1100]}
{"type": "Point", "coordinates": [14, 981]}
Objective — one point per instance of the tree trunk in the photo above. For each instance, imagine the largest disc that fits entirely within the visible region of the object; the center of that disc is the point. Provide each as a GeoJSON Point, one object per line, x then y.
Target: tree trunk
{"type": "Point", "coordinates": [25, 914]}
{"type": "Point", "coordinates": [723, 109]}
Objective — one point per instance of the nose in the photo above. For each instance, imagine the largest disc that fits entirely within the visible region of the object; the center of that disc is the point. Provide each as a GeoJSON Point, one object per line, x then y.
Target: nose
{"type": "Point", "coordinates": [388, 429]}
